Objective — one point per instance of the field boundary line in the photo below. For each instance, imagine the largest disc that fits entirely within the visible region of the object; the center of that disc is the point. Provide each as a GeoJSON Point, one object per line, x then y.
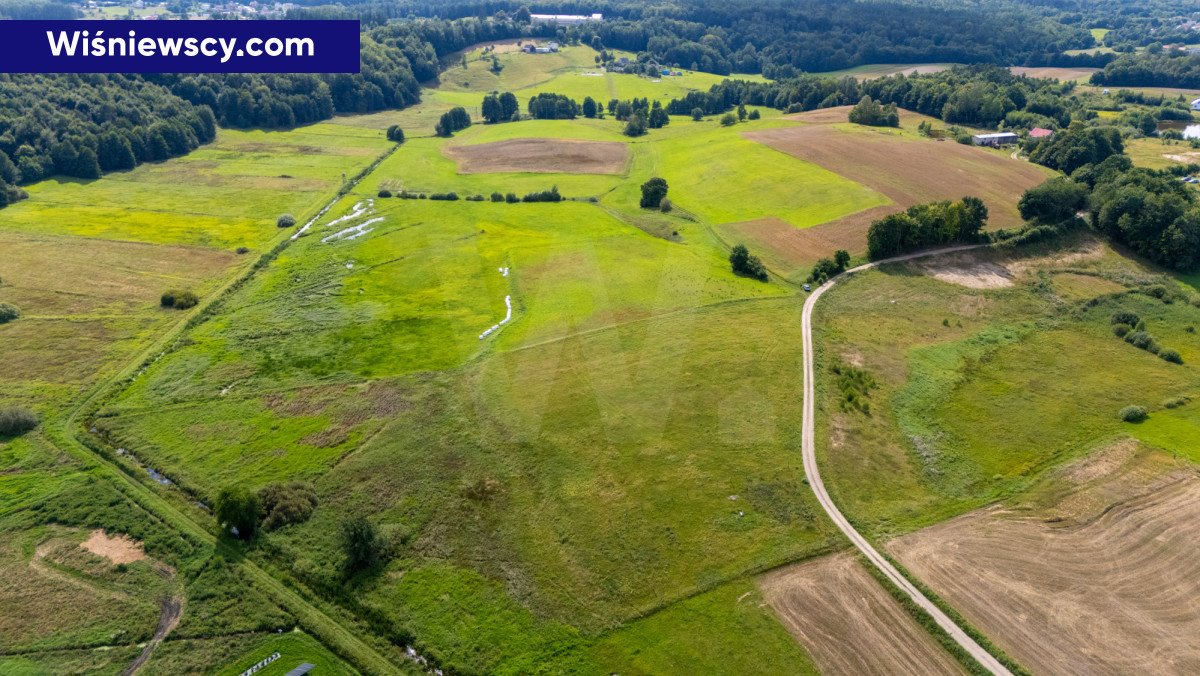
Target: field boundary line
{"type": "Point", "coordinates": [813, 473]}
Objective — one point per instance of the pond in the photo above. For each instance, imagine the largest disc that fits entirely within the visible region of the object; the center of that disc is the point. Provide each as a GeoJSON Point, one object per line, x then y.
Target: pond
{"type": "Point", "coordinates": [1190, 130]}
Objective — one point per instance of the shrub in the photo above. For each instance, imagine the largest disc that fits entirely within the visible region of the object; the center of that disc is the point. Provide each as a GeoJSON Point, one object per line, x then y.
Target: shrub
{"type": "Point", "coordinates": [15, 420]}
{"type": "Point", "coordinates": [395, 134]}
{"type": "Point", "coordinates": [1170, 355]}
{"type": "Point", "coordinates": [444, 196]}
{"type": "Point", "coordinates": [285, 221]}
{"type": "Point", "coordinates": [1142, 341]}
{"type": "Point", "coordinates": [1125, 318]}
{"type": "Point", "coordinates": [476, 198]}
{"type": "Point", "coordinates": [754, 115]}
{"type": "Point", "coordinates": [241, 250]}
{"type": "Point", "coordinates": [497, 197]}
{"type": "Point", "coordinates": [1133, 414]}
{"type": "Point", "coordinates": [385, 193]}
{"type": "Point", "coordinates": [8, 313]}
{"type": "Point", "coordinates": [362, 544]}
{"type": "Point", "coordinates": [180, 300]}
{"type": "Point", "coordinates": [728, 120]}
{"type": "Point", "coordinates": [511, 198]}
{"type": "Point", "coordinates": [286, 504]}
{"type": "Point", "coordinates": [1175, 402]}
{"type": "Point", "coordinates": [238, 509]}
{"type": "Point", "coordinates": [1120, 330]}
{"type": "Point", "coordinates": [665, 206]}
{"type": "Point", "coordinates": [697, 114]}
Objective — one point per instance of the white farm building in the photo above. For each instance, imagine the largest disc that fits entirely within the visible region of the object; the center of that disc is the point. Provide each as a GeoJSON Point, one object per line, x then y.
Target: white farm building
{"type": "Point", "coordinates": [565, 19]}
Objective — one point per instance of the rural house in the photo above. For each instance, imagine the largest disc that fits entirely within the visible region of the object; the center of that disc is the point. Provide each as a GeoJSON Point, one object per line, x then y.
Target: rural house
{"type": "Point", "coordinates": [1004, 138]}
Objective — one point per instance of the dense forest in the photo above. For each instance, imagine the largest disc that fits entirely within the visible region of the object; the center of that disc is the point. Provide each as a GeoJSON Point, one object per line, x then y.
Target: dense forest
{"type": "Point", "coordinates": [1151, 69]}
{"type": "Point", "coordinates": [83, 125]}
{"type": "Point", "coordinates": [778, 39]}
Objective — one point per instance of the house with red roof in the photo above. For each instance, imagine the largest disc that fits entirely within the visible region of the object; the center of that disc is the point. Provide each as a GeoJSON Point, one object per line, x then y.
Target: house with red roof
{"type": "Point", "coordinates": [1038, 132]}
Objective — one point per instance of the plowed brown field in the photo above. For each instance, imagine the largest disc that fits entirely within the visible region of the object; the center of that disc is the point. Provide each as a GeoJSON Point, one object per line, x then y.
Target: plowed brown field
{"type": "Point", "coordinates": [848, 623]}
{"type": "Point", "coordinates": [541, 155]}
{"type": "Point", "coordinates": [906, 169]}
{"type": "Point", "coordinates": [1115, 591]}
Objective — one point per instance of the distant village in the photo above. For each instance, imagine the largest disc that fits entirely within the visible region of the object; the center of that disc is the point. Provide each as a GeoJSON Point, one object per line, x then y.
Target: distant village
{"type": "Point", "coordinates": [199, 11]}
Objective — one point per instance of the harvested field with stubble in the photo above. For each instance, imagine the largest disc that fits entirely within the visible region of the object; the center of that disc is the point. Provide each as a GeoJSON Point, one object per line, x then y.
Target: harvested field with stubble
{"type": "Point", "coordinates": [848, 622]}
{"type": "Point", "coordinates": [1071, 74]}
{"type": "Point", "coordinates": [541, 155]}
{"type": "Point", "coordinates": [1104, 581]}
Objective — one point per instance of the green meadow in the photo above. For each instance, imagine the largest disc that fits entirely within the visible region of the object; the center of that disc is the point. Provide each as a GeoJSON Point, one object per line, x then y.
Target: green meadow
{"type": "Point", "coordinates": [961, 371]}
{"type": "Point", "coordinates": [225, 195]}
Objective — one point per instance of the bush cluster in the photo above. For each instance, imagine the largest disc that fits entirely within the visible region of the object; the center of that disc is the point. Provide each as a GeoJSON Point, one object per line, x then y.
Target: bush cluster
{"type": "Point", "coordinates": [855, 385]}
{"type": "Point", "coordinates": [15, 420]}
{"type": "Point", "coordinates": [8, 312]}
{"type": "Point", "coordinates": [829, 267]}
{"type": "Point", "coordinates": [285, 221]}
{"type": "Point", "coordinates": [1132, 329]}
{"type": "Point", "coordinates": [924, 225]}
{"type": "Point", "coordinates": [1133, 414]}
{"type": "Point", "coordinates": [286, 504]}
{"type": "Point", "coordinates": [179, 300]}
{"type": "Point", "coordinates": [551, 195]}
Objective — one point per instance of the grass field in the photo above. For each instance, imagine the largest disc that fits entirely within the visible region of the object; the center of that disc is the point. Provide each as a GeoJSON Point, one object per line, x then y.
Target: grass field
{"type": "Point", "coordinates": [577, 429]}
{"type": "Point", "coordinates": [225, 195]}
{"type": "Point", "coordinates": [876, 70]}
{"type": "Point", "coordinates": [961, 370]}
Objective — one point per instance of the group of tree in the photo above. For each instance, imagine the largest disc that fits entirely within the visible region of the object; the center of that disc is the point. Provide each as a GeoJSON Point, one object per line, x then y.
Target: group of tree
{"type": "Point", "coordinates": [548, 106]}
{"type": "Point", "coordinates": [1076, 146]}
{"type": "Point", "coordinates": [829, 267]}
{"type": "Point", "coordinates": [870, 112]}
{"type": "Point", "coordinates": [747, 264]}
{"type": "Point", "coordinates": [244, 512]}
{"type": "Point", "coordinates": [1151, 212]}
{"type": "Point", "coordinates": [926, 225]}
{"type": "Point", "coordinates": [502, 107]}
{"type": "Point", "coordinates": [395, 134]}
{"type": "Point", "coordinates": [455, 119]}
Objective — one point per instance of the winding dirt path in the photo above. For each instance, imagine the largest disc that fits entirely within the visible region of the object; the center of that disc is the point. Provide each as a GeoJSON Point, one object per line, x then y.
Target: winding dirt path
{"type": "Point", "coordinates": [813, 473]}
{"type": "Point", "coordinates": [168, 619]}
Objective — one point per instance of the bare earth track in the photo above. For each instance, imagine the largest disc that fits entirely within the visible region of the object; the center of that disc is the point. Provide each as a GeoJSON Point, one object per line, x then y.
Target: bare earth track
{"type": "Point", "coordinates": [541, 155]}
{"type": "Point", "coordinates": [848, 623]}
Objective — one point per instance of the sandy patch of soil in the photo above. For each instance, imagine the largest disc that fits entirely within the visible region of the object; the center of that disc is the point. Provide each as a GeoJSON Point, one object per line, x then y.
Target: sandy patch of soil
{"type": "Point", "coordinates": [117, 548]}
{"type": "Point", "coordinates": [541, 155]}
{"type": "Point", "coordinates": [1113, 591]}
{"type": "Point", "coordinates": [968, 271]}
{"type": "Point", "coordinates": [848, 622]}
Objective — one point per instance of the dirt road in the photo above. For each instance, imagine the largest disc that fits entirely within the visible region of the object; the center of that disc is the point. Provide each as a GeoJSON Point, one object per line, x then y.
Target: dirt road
{"type": "Point", "coordinates": [814, 479]}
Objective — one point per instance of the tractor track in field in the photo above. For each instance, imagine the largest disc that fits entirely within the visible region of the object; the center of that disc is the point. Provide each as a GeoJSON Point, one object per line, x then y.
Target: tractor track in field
{"type": "Point", "coordinates": [813, 473]}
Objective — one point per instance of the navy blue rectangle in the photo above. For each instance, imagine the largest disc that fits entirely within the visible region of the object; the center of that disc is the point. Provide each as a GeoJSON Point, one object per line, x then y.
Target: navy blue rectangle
{"type": "Point", "coordinates": [299, 46]}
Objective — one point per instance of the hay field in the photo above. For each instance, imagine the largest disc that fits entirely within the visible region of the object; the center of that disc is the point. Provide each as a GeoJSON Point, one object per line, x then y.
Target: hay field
{"type": "Point", "coordinates": [1052, 73]}
{"type": "Point", "coordinates": [87, 304]}
{"type": "Point", "coordinates": [224, 195]}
